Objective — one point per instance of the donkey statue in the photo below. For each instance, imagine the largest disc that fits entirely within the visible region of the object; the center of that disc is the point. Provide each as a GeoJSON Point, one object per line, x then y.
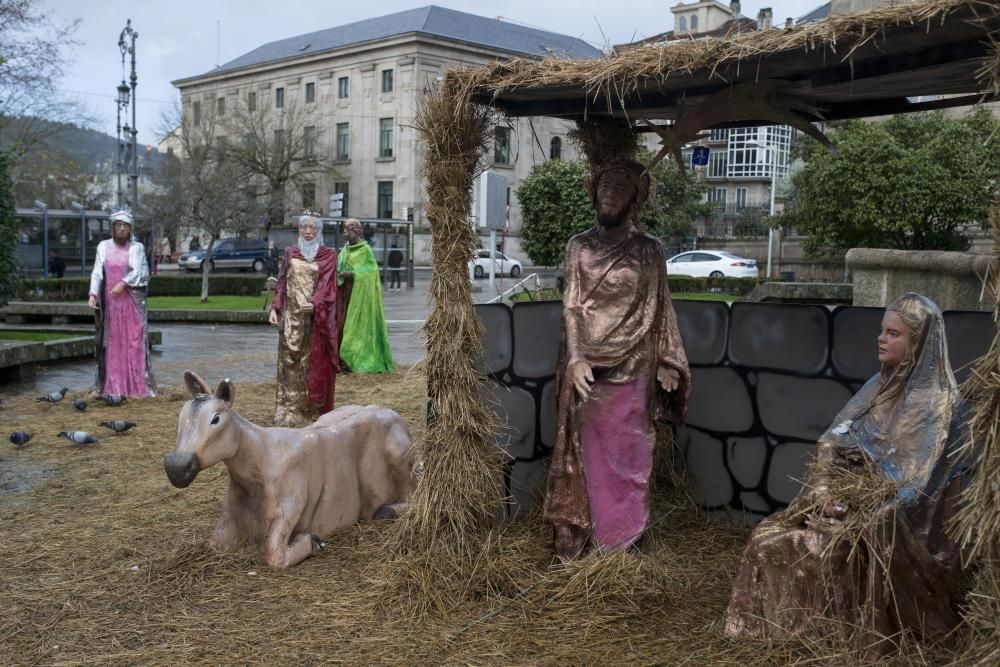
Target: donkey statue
{"type": "Point", "coordinates": [289, 487]}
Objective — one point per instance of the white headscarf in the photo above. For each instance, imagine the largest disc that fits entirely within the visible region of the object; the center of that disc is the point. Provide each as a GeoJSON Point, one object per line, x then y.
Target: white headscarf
{"type": "Point", "coordinates": [123, 214]}
{"type": "Point", "coordinates": [310, 248]}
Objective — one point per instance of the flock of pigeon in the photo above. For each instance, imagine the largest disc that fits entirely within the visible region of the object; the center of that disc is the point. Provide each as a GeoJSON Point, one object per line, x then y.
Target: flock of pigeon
{"type": "Point", "coordinates": [79, 438]}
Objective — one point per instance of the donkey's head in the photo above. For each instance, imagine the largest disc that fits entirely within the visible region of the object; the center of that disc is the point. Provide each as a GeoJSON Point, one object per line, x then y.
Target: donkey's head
{"type": "Point", "coordinates": [206, 431]}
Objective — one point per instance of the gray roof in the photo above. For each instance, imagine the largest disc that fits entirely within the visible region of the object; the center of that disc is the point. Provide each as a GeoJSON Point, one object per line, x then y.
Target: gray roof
{"type": "Point", "coordinates": [820, 12]}
{"type": "Point", "coordinates": [431, 20]}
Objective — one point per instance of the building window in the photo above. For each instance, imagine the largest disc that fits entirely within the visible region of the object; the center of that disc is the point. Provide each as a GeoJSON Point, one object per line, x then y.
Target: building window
{"type": "Point", "coordinates": [717, 164]}
{"type": "Point", "coordinates": [279, 141]}
{"type": "Point", "coordinates": [220, 145]}
{"type": "Point", "coordinates": [221, 106]}
{"type": "Point", "coordinates": [387, 81]}
{"type": "Point", "coordinates": [555, 149]}
{"type": "Point", "coordinates": [717, 196]}
{"type": "Point", "coordinates": [279, 98]}
{"type": "Point", "coordinates": [251, 101]}
{"type": "Point", "coordinates": [719, 135]}
{"type": "Point", "coordinates": [741, 198]}
{"type": "Point", "coordinates": [342, 187]}
{"type": "Point", "coordinates": [309, 142]}
{"type": "Point", "coordinates": [501, 145]}
{"type": "Point", "coordinates": [343, 141]}
{"type": "Point", "coordinates": [196, 114]}
{"type": "Point", "coordinates": [385, 138]}
{"type": "Point", "coordinates": [694, 23]}
{"type": "Point", "coordinates": [385, 199]}
{"type": "Point", "coordinates": [683, 23]}
{"type": "Point", "coordinates": [343, 88]}
{"type": "Point", "coordinates": [308, 195]}
{"type": "Point", "coordinates": [310, 93]}
{"type": "Point", "coordinates": [753, 151]}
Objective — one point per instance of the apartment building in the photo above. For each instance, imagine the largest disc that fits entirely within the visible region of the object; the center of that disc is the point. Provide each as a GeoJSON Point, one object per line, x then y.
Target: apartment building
{"type": "Point", "coordinates": [359, 87]}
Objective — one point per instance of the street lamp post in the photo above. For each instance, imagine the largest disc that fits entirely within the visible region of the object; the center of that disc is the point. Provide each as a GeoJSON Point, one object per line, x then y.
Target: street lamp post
{"type": "Point", "coordinates": [126, 44]}
{"type": "Point", "coordinates": [83, 236]}
{"type": "Point", "coordinates": [773, 150]}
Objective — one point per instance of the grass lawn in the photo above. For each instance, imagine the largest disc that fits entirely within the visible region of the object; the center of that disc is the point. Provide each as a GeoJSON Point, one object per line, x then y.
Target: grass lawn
{"type": "Point", "coordinates": [35, 335]}
{"type": "Point", "coordinates": [221, 302]}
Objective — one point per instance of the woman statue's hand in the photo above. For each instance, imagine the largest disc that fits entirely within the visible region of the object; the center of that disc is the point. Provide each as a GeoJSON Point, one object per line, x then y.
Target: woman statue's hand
{"type": "Point", "coordinates": [118, 289]}
{"type": "Point", "coordinates": [273, 317]}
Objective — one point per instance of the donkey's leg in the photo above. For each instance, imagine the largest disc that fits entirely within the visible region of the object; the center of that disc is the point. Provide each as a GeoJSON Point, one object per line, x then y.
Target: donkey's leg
{"type": "Point", "coordinates": [283, 549]}
{"type": "Point", "coordinates": [226, 534]}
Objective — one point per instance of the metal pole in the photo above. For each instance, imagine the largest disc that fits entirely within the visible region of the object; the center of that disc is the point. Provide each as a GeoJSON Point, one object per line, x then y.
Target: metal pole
{"type": "Point", "coordinates": [770, 221]}
{"type": "Point", "coordinates": [83, 241]}
{"type": "Point", "coordinates": [45, 241]}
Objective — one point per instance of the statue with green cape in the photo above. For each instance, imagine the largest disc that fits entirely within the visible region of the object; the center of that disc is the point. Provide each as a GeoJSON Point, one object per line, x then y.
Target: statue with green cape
{"type": "Point", "coordinates": [364, 343]}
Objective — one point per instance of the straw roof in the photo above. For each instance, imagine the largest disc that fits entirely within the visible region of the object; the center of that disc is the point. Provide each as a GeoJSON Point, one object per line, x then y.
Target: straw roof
{"type": "Point", "coordinates": [858, 65]}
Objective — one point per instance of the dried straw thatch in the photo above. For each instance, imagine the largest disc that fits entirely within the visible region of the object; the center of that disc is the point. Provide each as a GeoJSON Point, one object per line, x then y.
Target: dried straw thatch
{"type": "Point", "coordinates": [624, 73]}
{"type": "Point", "coordinates": [601, 141]}
{"type": "Point", "coordinates": [460, 492]}
{"type": "Point", "coordinates": [978, 525]}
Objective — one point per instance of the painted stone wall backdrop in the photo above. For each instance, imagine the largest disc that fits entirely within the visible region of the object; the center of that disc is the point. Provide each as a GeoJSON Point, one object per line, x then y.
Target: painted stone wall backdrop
{"type": "Point", "coordinates": [768, 380]}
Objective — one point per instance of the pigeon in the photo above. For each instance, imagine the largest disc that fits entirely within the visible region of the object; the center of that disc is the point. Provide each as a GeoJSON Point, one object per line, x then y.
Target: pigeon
{"type": "Point", "coordinates": [118, 425]}
{"type": "Point", "coordinates": [79, 438]}
{"type": "Point", "coordinates": [113, 399]}
{"type": "Point", "coordinates": [20, 438]}
{"type": "Point", "coordinates": [80, 404]}
{"type": "Point", "coordinates": [54, 397]}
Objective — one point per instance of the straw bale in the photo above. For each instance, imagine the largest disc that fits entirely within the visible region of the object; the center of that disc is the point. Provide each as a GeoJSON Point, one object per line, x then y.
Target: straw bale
{"type": "Point", "coordinates": [621, 74]}
{"type": "Point", "coordinates": [460, 491]}
{"type": "Point", "coordinates": [104, 562]}
{"type": "Point", "coordinates": [602, 141]}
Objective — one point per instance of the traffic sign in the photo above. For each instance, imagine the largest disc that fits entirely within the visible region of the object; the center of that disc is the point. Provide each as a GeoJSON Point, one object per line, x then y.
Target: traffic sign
{"type": "Point", "coordinates": [700, 156]}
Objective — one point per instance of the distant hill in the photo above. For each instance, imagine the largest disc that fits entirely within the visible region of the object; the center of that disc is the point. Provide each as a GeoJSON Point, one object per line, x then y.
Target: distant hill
{"type": "Point", "coordinates": [87, 148]}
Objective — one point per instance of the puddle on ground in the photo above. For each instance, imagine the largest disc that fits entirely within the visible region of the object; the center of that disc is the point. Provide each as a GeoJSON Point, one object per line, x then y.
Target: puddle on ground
{"type": "Point", "coordinates": [19, 476]}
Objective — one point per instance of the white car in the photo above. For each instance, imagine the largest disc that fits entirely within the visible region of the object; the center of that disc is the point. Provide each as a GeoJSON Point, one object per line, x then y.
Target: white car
{"type": "Point", "coordinates": [711, 264]}
{"type": "Point", "coordinates": [502, 264]}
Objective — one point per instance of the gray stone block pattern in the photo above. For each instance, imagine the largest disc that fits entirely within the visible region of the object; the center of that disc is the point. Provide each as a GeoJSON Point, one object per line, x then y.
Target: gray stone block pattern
{"type": "Point", "coordinates": [536, 336]}
{"type": "Point", "coordinates": [703, 326]}
{"type": "Point", "coordinates": [970, 334]}
{"type": "Point", "coordinates": [768, 380]}
{"type": "Point", "coordinates": [855, 352]}
{"type": "Point", "coordinates": [779, 336]}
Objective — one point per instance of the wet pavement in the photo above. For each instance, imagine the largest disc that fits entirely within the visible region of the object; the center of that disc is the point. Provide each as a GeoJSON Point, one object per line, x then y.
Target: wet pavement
{"type": "Point", "coordinates": [248, 352]}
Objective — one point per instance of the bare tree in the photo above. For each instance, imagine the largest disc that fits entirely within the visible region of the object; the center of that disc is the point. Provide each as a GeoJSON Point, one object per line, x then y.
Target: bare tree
{"type": "Point", "coordinates": [278, 150]}
{"type": "Point", "coordinates": [32, 59]}
{"type": "Point", "coordinates": [202, 189]}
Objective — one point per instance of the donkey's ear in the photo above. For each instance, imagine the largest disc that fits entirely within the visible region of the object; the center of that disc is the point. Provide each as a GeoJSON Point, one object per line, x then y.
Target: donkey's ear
{"type": "Point", "coordinates": [226, 392]}
{"type": "Point", "coordinates": [195, 384]}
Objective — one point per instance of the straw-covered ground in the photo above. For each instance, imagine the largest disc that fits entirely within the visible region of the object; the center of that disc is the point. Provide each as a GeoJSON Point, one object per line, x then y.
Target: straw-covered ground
{"type": "Point", "coordinates": [103, 562]}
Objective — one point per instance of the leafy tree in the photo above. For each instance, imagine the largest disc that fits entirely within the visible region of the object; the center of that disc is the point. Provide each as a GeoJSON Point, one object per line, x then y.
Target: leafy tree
{"type": "Point", "coordinates": [554, 207]}
{"type": "Point", "coordinates": [677, 202]}
{"type": "Point", "coordinates": [914, 182]}
{"type": "Point", "coordinates": [9, 268]}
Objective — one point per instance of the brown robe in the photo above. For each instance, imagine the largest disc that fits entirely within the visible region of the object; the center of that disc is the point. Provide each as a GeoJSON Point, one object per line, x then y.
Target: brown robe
{"type": "Point", "coordinates": [617, 316]}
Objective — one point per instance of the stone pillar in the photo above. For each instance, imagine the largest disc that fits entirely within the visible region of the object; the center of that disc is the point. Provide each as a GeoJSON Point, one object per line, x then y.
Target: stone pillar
{"type": "Point", "coordinates": [953, 280]}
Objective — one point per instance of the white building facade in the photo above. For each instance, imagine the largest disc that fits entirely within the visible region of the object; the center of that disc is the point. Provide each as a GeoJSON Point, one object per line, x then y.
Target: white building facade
{"type": "Point", "coordinates": [359, 87]}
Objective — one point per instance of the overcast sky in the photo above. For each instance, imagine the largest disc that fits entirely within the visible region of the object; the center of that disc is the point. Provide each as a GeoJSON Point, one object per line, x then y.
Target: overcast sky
{"type": "Point", "coordinates": [178, 39]}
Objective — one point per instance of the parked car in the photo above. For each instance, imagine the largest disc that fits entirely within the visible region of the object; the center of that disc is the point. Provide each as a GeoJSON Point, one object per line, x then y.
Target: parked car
{"type": "Point", "coordinates": [711, 264]}
{"type": "Point", "coordinates": [503, 264]}
{"type": "Point", "coordinates": [229, 254]}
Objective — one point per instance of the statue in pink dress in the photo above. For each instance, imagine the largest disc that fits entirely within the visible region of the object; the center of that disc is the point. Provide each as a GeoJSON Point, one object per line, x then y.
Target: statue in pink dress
{"type": "Point", "coordinates": [118, 295]}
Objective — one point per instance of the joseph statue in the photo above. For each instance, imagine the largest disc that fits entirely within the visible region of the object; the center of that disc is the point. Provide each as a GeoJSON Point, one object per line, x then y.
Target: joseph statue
{"type": "Point", "coordinates": [621, 366]}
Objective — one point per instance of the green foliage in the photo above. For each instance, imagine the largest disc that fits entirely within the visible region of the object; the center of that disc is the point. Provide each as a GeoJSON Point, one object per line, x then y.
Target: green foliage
{"type": "Point", "coordinates": [554, 207]}
{"type": "Point", "coordinates": [75, 289]}
{"type": "Point", "coordinates": [913, 182]}
{"type": "Point", "coordinates": [9, 267]}
{"type": "Point", "coordinates": [676, 201]}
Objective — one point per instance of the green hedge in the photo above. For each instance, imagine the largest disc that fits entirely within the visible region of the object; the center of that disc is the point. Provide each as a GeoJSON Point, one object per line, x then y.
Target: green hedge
{"type": "Point", "coordinates": [75, 289]}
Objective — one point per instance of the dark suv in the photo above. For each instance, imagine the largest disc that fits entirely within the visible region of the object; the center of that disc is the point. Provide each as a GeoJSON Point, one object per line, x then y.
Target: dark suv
{"type": "Point", "coordinates": [229, 254]}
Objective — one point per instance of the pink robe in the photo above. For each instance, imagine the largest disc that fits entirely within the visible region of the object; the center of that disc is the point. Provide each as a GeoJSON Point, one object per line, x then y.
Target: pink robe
{"type": "Point", "coordinates": [124, 331]}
